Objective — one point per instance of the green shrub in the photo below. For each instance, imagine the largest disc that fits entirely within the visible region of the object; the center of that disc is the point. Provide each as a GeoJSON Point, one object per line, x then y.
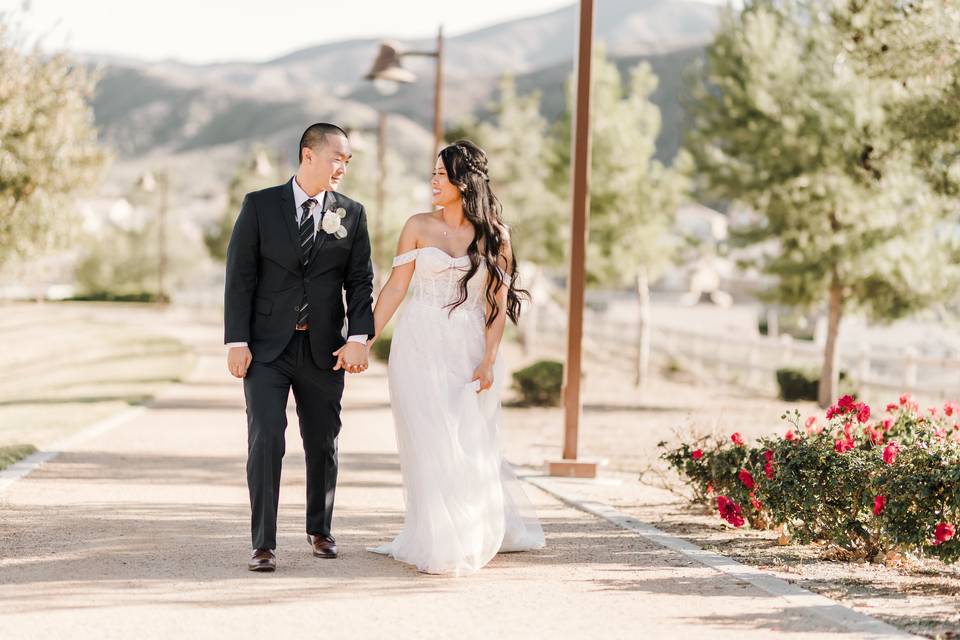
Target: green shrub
{"type": "Point", "coordinates": [381, 348]}
{"type": "Point", "coordinates": [108, 296]}
{"type": "Point", "coordinates": [863, 483]}
{"type": "Point", "coordinates": [14, 453]}
{"type": "Point", "coordinates": [539, 384]}
{"type": "Point", "coordinates": [800, 384]}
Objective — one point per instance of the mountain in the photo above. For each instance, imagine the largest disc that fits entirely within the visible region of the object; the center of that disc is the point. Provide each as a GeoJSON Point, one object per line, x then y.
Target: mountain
{"type": "Point", "coordinates": [162, 112]}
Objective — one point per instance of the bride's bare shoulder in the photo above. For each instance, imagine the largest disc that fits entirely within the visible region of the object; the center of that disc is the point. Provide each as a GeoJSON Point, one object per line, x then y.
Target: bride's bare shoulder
{"type": "Point", "coordinates": [418, 220]}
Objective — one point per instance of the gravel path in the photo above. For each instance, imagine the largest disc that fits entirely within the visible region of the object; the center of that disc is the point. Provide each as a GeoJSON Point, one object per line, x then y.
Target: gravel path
{"type": "Point", "coordinates": [141, 532]}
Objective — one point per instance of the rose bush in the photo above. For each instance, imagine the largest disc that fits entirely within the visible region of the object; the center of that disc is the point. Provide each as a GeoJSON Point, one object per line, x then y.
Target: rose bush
{"type": "Point", "coordinates": [866, 483]}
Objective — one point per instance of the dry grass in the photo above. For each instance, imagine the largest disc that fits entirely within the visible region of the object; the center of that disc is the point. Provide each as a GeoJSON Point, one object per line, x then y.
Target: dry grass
{"type": "Point", "coordinates": [67, 368]}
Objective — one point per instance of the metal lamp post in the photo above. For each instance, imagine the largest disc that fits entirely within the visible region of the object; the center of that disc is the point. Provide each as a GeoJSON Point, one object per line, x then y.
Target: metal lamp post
{"type": "Point", "coordinates": [580, 191]}
{"type": "Point", "coordinates": [387, 71]}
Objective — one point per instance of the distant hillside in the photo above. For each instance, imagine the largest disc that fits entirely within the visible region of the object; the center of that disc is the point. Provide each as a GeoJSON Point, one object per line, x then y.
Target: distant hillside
{"type": "Point", "coordinates": [167, 110]}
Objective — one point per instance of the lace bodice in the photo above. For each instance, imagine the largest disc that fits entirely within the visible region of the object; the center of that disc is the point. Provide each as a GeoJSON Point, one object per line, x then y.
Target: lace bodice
{"type": "Point", "coordinates": [436, 279]}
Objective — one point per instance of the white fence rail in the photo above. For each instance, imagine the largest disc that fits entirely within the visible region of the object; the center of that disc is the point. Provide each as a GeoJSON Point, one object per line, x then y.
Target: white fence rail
{"type": "Point", "coordinates": [752, 361]}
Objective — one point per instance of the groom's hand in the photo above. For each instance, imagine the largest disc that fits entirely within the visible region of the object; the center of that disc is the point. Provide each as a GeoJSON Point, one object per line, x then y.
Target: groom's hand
{"type": "Point", "coordinates": [238, 361]}
{"type": "Point", "coordinates": [352, 356]}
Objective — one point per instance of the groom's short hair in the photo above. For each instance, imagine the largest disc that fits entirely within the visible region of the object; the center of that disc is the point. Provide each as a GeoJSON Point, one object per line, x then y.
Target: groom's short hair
{"type": "Point", "coordinates": [315, 137]}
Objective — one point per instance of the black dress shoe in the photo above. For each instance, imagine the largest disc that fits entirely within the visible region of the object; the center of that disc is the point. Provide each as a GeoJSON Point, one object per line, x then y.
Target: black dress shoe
{"type": "Point", "coordinates": [323, 546]}
{"type": "Point", "coordinates": [262, 560]}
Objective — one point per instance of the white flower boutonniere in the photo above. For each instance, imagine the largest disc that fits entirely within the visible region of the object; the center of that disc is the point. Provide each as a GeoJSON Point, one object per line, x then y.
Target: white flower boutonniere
{"type": "Point", "coordinates": [332, 222]}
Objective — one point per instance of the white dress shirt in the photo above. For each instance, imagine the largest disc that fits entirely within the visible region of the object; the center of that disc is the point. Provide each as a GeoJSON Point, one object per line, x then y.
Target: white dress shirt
{"type": "Point", "coordinates": [299, 197]}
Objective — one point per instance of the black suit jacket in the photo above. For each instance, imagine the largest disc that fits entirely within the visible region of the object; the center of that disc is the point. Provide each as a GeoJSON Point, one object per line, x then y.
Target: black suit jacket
{"type": "Point", "coordinates": [265, 278]}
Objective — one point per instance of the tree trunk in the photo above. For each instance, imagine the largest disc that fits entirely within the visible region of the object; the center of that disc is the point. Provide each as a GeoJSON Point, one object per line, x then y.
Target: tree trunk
{"type": "Point", "coordinates": [643, 327]}
{"type": "Point", "coordinates": [830, 373]}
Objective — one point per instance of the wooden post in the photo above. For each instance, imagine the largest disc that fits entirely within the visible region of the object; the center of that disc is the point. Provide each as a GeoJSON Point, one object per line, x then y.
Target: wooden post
{"type": "Point", "coordinates": [580, 192]}
{"type": "Point", "coordinates": [643, 327]}
{"type": "Point", "coordinates": [163, 180]}
{"type": "Point", "coordinates": [381, 201]}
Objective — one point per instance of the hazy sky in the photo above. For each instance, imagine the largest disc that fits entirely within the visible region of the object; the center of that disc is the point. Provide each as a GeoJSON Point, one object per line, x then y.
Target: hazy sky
{"type": "Point", "coordinates": [213, 30]}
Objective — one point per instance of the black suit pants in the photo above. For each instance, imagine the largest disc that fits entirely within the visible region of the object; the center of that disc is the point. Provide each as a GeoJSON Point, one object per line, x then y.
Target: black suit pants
{"type": "Point", "coordinates": [317, 393]}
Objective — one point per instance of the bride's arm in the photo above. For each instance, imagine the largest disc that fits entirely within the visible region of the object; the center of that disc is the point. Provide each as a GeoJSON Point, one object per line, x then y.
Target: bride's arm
{"type": "Point", "coordinates": [494, 332]}
{"type": "Point", "coordinates": [393, 292]}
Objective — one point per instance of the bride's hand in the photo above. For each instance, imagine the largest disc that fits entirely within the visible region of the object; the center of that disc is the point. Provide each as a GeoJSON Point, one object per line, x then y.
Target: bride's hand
{"type": "Point", "coordinates": [484, 373]}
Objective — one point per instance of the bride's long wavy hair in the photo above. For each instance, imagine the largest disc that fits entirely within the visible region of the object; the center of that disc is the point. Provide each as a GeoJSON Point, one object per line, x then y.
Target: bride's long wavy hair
{"type": "Point", "coordinates": [466, 166]}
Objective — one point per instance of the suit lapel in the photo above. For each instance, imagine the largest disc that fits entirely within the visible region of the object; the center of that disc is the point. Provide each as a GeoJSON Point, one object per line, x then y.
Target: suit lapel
{"type": "Point", "coordinates": [288, 210]}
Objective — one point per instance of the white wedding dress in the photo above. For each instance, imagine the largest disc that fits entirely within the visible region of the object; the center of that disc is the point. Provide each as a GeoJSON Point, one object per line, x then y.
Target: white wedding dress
{"type": "Point", "coordinates": [463, 503]}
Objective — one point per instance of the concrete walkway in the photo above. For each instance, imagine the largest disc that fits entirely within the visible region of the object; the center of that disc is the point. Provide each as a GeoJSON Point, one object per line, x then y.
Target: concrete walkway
{"type": "Point", "coordinates": [141, 531]}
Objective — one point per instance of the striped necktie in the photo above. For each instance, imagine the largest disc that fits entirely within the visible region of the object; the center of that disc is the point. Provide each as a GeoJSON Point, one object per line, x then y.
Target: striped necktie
{"type": "Point", "coordinates": [307, 236]}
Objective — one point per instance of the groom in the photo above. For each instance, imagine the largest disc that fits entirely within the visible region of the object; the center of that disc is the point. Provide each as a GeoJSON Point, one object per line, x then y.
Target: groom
{"type": "Point", "coordinates": [295, 249]}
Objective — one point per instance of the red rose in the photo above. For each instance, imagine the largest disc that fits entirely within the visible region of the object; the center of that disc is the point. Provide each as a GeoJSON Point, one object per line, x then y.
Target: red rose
{"type": "Point", "coordinates": [730, 511]}
{"type": "Point", "coordinates": [879, 504]}
{"type": "Point", "coordinates": [737, 439]}
{"type": "Point", "coordinates": [842, 446]}
{"type": "Point", "coordinates": [746, 479]}
{"type": "Point", "coordinates": [949, 408]}
{"type": "Point", "coordinates": [832, 411]}
{"type": "Point", "coordinates": [846, 403]}
{"type": "Point", "coordinates": [768, 470]}
{"type": "Point", "coordinates": [890, 452]}
{"type": "Point", "coordinates": [790, 436]}
{"type": "Point", "coordinates": [892, 407]}
{"type": "Point", "coordinates": [756, 504]}
{"type": "Point", "coordinates": [904, 399]}
{"type": "Point", "coordinates": [696, 455]}
{"type": "Point", "coordinates": [863, 413]}
{"type": "Point", "coordinates": [943, 532]}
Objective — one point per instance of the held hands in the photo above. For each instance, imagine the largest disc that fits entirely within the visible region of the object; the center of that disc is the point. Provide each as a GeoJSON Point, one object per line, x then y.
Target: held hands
{"type": "Point", "coordinates": [238, 361]}
{"type": "Point", "coordinates": [484, 373]}
{"type": "Point", "coordinates": [352, 357]}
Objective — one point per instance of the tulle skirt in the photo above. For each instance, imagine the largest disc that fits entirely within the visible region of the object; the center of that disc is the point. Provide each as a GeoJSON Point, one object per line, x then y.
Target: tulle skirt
{"type": "Point", "coordinates": [463, 502]}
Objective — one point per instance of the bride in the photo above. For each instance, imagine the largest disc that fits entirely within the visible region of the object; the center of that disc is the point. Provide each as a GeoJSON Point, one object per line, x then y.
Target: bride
{"type": "Point", "coordinates": [463, 504]}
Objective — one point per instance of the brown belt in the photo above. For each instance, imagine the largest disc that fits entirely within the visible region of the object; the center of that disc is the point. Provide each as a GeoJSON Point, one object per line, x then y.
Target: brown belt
{"type": "Point", "coordinates": [301, 327]}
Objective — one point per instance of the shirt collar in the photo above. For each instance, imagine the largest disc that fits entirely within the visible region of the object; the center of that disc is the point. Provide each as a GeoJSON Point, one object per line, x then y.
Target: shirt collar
{"type": "Point", "coordinates": [300, 196]}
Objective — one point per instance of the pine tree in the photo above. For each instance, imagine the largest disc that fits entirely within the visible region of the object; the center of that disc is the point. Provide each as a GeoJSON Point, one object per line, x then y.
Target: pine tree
{"type": "Point", "coordinates": [519, 150]}
{"type": "Point", "coordinates": [788, 125]}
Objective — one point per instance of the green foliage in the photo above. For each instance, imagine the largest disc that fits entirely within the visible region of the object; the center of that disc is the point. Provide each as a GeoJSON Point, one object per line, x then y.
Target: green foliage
{"type": "Point", "coordinates": [14, 453]}
{"type": "Point", "coordinates": [923, 487]}
{"type": "Point", "coordinates": [520, 152]}
{"type": "Point", "coordinates": [122, 262]}
{"type": "Point", "coordinates": [109, 296]}
{"type": "Point", "coordinates": [49, 153]}
{"type": "Point", "coordinates": [915, 47]}
{"type": "Point", "coordinates": [782, 126]}
{"type": "Point", "coordinates": [381, 348]}
{"type": "Point", "coordinates": [539, 384]}
{"type": "Point", "coordinates": [821, 494]}
{"type": "Point", "coordinates": [788, 126]}
{"type": "Point", "coordinates": [800, 384]}
{"type": "Point", "coordinates": [254, 173]}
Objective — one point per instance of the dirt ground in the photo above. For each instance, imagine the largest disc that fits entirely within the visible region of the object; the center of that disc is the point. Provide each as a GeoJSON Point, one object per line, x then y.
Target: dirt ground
{"type": "Point", "coordinates": [622, 426]}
